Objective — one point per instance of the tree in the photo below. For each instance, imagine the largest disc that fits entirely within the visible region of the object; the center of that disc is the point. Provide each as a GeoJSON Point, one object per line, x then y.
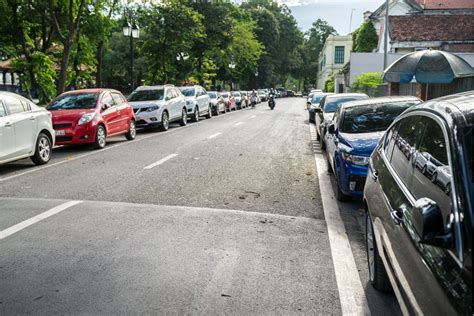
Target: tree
{"type": "Point", "coordinates": [366, 39]}
{"type": "Point", "coordinates": [329, 84]}
{"type": "Point", "coordinates": [367, 80]}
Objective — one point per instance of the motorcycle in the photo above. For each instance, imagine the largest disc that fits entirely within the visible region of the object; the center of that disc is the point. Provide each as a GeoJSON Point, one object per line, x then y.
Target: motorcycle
{"type": "Point", "coordinates": [271, 101]}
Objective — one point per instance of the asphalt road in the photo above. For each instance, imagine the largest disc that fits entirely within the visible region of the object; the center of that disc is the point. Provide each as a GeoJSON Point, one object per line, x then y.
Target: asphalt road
{"type": "Point", "coordinates": [223, 216]}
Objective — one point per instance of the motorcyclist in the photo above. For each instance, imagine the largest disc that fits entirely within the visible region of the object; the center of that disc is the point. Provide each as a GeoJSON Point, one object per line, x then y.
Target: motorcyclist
{"type": "Point", "coordinates": [253, 98]}
{"type": "Point", "coordinates": [271, 99]}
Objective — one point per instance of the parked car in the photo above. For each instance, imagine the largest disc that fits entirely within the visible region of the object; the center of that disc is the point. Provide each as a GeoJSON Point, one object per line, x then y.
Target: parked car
{"type": "Point", "coordinates": [426, 163]}
{"type": "Point", "coordinates": [229, 101]}
{"type": "Point", "coordinates": [326, 110]}
{"type": "Point", "coordinates": [198, 102]}
{"type": "Point", "coordinates": [158, 106]}
{"type": "Point", "coordinates": [290, 93]}
{"type": "Point", "coordinates": [419, 235]}
{"type": "Point", "coordinates": [89, 116]}
{"type": "Point", "coordinates": [238, 99]}
{"type": "Point", "coordinates": [245, 99]}
{"type": "Point", "coordinates": [217, 102]}
{"type": "Point", "coordinates": [352, 136]}
{"type": "Point", "coordinates": [313, 105]}
{"type": "Point", "coordinates": [262, 95]}
{"type": "Point", "coordinates": [26, 130]}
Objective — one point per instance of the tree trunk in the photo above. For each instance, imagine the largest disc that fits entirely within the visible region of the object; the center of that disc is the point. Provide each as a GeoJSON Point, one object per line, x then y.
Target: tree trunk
{"type": "Point", "coordinates": [61, 85]}
{"type": "Point", "coordinates": [100, 61]}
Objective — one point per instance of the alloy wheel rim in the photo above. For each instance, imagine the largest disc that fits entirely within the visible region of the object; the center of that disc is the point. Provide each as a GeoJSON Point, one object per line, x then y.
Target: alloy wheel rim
{"type": "Point", "coordinates": [165, 121]}
{"type": "Point", "coordinates": [184, 116]}
{"type": "Point", "coordinates": [101, 136]}
{"type": "Point", "coordinates": [370, 248]}
{"type": "Point", "coordinates": [44, 149]}
{"type": "Point", "coordinates": [196, 115]}
{"type": "Point", "coordinates": [133, 130]}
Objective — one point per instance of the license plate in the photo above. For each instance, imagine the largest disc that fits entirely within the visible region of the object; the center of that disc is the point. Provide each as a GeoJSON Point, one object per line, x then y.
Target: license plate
{"type": "Point", "coordinates": [60, 132]}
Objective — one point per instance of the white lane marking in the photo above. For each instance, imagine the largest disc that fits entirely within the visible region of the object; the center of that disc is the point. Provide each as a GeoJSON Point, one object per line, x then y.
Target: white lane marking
{"type": "Point", "coordinates": [253, 116]}
{"type": "Point", "coordinates": [214, 135]}
{"type": "Point", "coordinates": [239, 123]}
{"type": "Point", "coordinates": [211, 301]}
{"type": "Point", "coordinates": [35, 219]}
{"type": "Point", "coordinates": [351, 293]}
{"type": "Point", "coordinates": [161, 161]}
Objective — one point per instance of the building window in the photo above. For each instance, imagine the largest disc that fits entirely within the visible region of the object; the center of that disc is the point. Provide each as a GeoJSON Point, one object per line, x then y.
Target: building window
{"type": "Point", "coordinates": [339, 55]}
{"type": "Point", "coordinates": [324, 60]}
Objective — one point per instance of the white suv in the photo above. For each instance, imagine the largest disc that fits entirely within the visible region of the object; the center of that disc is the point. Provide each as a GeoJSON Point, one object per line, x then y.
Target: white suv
{"type": "Point", "coordinates": [198, 102]}
{"type": "Point", "coordinates": [158, 106]}
{"type": "Point", "coordinates": [26, 130]}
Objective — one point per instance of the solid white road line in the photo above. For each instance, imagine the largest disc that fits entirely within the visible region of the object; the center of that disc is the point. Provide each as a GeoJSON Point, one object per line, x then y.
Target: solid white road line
{"type": "Point", "coordinates": [239, 123]}
{"type": "Point", "coordinates": [35, 219]}
{"type": "Point", "coordinates": [214, 135]}
{"type": "Point", "coordinates": [161, 161]}
{"type": "Point", "coordinates": [351, 293]}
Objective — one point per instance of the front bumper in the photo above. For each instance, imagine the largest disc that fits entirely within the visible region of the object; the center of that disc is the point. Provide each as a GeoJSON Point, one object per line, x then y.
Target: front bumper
{"type": "Point", "coordinates": [351, 178]}
{"type": "Point", "coordinates": [74, 134]}
{"type": "Point", "coordinates": [148, 119]}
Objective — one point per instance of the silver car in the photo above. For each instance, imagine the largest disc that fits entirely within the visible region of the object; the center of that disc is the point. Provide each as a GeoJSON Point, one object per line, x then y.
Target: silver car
{"type": "Point", "coordinates": [198, 102]}
{"type": "Point", "coordinates": [158, 106]}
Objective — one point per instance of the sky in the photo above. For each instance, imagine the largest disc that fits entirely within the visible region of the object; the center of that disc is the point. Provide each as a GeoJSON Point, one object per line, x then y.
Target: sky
{"type": "Point", "coordinates": [336, 12]}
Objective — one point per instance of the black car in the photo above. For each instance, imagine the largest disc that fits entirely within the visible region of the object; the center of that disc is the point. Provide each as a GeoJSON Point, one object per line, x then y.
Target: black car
{"type": "Point", "coordinates": [419, 223]}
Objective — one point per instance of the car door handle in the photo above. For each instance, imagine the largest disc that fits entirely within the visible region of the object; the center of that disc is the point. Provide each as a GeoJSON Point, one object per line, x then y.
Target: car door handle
{"type": "Point", "coordinates": [396, 216]}
{"type": "Point", "coordinates": [32, 118]}
{"type": "Point", "coordinates": [8, 124]}
{"type": "Point", "coordinates": [374, 175]}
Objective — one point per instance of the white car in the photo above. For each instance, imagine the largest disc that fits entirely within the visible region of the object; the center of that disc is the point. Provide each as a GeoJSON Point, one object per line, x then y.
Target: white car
{"type": "Point", "coordinates": [442, 177]}
{"type": "Point", "coordinates": [198, 102]}
{"type": "Point", "coordinates": [26, 130]}
{"type": "Point", "coordinates": [158, 106]}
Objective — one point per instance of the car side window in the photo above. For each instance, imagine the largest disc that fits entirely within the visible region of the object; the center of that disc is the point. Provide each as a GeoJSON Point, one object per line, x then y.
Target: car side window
{"type": "Point", "coordinates": [107, 99]}
{"type": "Point", "coordinates": [407, 138]}
{"type": "Point", "coordinates": [176, 93]}
{"type": "Point", "coordinates": [390, 138]}
{"type": "Point", "coordinates": [3, 111]}
{"type": "Point", "coordinates": [13, 104]}
{"type": "Point", "coordinates": [337, 116]}
{"type": "Point", "coordinates": [117, 99]}
{"type": "Point", "coordinates": [432, 175]}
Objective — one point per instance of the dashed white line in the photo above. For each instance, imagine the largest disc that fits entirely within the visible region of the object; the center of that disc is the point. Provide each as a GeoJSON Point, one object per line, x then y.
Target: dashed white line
{"type": "Point", "coordinates": [351, 293]}
{"type": "Point", "coordinates": [253, 116]}
{"type": "Point", "coordinates": [214, 135]}
{"type": "Point", "coordinates": [35, 219]}
{"type": "Point", "coordinates": [161, 161]}
{"type": "Point", "coordinates": [239, 123]}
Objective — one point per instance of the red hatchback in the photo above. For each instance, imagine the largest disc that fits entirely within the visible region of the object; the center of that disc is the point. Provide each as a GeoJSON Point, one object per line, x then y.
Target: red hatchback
{"type": "Point", "coordinates": [90, 116]}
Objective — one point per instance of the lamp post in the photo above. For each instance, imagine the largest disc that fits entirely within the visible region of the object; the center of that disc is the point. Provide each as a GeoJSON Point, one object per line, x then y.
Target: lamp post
{"type": "Point", "coordinates": [182, 56]}
{"type": "Point", "coordinates": [231, 66]}
{"type": "Point", "coordinates": [256, 78]}
{"type": "Point", "coordinates": [130, 29]}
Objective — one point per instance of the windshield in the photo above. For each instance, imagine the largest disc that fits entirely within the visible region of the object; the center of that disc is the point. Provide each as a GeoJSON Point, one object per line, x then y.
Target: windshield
{"type": "Point", "coordinates": [332, 103]}
{"type": "Point", "coordinates": [317, 98]}
{"type": "Point", "coordinates": [225, 95]}
{"type": "Point", "coordinates": [74, 101]}
{"type": "Point", "coordinates": [236, 94]}
{"type": "Point", "coordinates": [212, 95]}
{"type": "Point", "coordinates": [146, 95]}
{"type": "Point", "coordinates": [188, 92]}
{"type": "Point", "coordinates": [371, 118]}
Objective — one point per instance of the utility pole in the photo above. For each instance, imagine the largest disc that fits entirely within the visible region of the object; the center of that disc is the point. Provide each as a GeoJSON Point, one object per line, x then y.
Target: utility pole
{"type": "Point", "coordinates": [385, 44]}
{"type": "Point", "coordinates": [350, 21]}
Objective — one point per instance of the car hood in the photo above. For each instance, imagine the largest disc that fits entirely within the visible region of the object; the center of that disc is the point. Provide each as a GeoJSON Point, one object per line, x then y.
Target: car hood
{"type": "Point", "coordinates": [213, 101]}
{"type": "Point", "coordinates": [69, 115]}
{"type": "Point", "coordinates": [361, 143]}
{"type": "Point", "coordinates": [145, 104]}
{"type": "Point", "coordinates": [328, 116]}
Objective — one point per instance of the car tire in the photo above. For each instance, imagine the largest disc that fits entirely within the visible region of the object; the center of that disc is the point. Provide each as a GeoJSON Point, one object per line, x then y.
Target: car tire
{"type": "Point", "coordinates": [423, 170]}
{"type": "Point", "coordinates": [216, 112]}
{"type": "Point", "coordinates": [209, 112]}
{"type": "Point", "coordinates": [183, 121]}
{"type": "Point", "coordinates": [322, 144]}
{"type": "Point", "coordinates": [43, 150]}
{"type": "Point", "coordinates": [377, 274]}
{"type": "Point", "coordinates": [132, 131]}
{"type": "Point", "coordinates": [165, 122]}
{"type": "Point", "coordinates": [341, 196]}
{"type": "Point", "coordinates": [195, 117]}
{"type": "Point", "coordinates": [318, 138]}
{"type": "Point", "coordinates": [434, 178]}
{"type": "Point", "coordinates": [100, 137]}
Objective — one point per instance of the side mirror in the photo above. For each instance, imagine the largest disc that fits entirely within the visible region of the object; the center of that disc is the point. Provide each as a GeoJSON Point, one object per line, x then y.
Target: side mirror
{"type": "Point", "coordinates": [318, 110]}
{"type": "Point", "coordinates": [428, 223]}
{"type": "Point", "coordinates": [105, 106]}
{"type": "Point", "coordinates": [331, 129]}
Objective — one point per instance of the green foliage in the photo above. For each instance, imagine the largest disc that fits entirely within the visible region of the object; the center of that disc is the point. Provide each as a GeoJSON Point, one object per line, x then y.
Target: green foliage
{"type": "Point", "coordinates": [367, 80]}
{"type": "Point", "coordinates": [329, 84]}
{"type": "Point", "coordinates": [365, 38]}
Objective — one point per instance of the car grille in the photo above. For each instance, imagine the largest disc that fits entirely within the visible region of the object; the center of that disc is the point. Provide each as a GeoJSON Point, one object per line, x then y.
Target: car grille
{"type": "Point", "coordinates": [136, 110]}
{"type": "Point", "coordinates": [61, 125]}
{"type": "Point", "coordinates": [141, 122]}
{"type": "Point", "coordinates": [63, 138]}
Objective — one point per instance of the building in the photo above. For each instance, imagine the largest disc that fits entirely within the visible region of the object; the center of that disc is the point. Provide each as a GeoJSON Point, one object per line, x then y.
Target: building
{"type": "Point", "coordinates": [334, 55]}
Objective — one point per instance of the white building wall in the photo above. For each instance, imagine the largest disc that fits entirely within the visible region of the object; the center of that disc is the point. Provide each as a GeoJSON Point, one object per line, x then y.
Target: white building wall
{"type": "Point", "coordinates": [329, 50]}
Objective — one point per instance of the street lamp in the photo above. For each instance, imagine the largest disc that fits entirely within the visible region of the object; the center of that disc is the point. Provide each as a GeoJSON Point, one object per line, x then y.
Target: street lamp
{"type": "Point", "coordinates": [130, 29]}
{"type": "Point", "coordinates": [256, 78]}
{"type": "Point", "coordinates": [231, 66]}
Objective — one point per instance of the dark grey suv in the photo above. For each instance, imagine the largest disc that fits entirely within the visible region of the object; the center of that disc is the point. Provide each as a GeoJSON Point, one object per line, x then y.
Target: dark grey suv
{"type": "Point", "coordinates": [419, 202]}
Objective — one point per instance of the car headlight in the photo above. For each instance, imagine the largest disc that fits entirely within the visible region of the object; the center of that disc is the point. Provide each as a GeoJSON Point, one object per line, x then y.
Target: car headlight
{"type": "Point", "coordinates": [153, 108]}
{"type": "Point", "coordinates": [85, 118]}
{"type": "Point", "coordinates": [356, 160]}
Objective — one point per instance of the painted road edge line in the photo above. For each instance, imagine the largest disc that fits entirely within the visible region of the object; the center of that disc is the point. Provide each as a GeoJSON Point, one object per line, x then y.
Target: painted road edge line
{"type": "Point", "coordinates": [214, 135]}
{"type": "Point", "coordinates": [35, 219]}
{"type": "Point", "coordinates": [351, 292]}
{"type": "Point", "coordinates": [161, 161]}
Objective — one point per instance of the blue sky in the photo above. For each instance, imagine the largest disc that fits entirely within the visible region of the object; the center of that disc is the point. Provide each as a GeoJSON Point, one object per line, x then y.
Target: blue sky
{"type": "Point", "coordinates": [336, 12]}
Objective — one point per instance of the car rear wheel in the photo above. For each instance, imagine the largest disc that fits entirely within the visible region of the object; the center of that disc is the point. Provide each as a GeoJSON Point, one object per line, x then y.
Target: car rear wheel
{"type": "Point", "coordinates": [100, 137]}
{"type": "Point", "coordinates": [434, 178]}
{"type": "Point", "coordinates": [184, 118]}
{"type": "Point", "coordinates": [217, 112]}
{"type": "Point", "coordinates": [209, 112]}
{"type": "Point", "coordinates": [42, 150]}
{"type": "Point", "coordinates": [195, 115]}
{"type": "Point", "coordinates": [322, 144]}
{"type": "Point", "coordinates": [377, 274]}
{"type": "Point", "coordinates": [165, 122]}
{"type": "Point", "coordinates": [132, 131]}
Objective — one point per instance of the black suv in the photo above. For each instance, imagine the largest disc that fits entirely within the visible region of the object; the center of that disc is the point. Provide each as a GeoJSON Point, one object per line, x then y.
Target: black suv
{"type": "Point", "coordinates": [419, 202]}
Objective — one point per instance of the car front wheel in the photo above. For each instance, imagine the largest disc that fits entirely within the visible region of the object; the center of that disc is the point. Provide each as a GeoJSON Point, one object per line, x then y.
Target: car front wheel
{"type": "Point", "coordinates": [184, 118]}
{"type": "Point", "coordinates": [42, 150]}
{"type": "Point", "coordinates": [100, 137]}
{"type": "Point", "coordinates": [132, 131]}
{"type": "Point", "coordinates": [165, 121]}
{"type": "Point", "coordinates": [195, 115]}
{"type": "Point", "coordinates": [377, 274]}
{"type": "Point", "coordinates": [209, 112]}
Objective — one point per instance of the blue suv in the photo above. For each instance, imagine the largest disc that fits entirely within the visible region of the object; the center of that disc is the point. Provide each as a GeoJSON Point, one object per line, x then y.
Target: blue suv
{"type": "Point", "coordinates": [352, 136]}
